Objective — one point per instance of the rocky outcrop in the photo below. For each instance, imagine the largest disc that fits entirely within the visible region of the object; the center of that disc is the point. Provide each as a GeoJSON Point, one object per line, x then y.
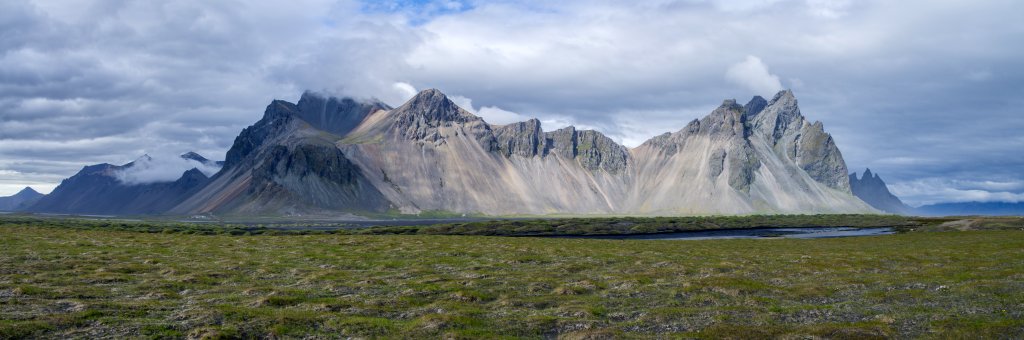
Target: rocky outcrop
{"type": "Point", "coordinates": [524, 139]}
{"type": "Point", "coordinates": [561, 141]}
{"type": "Point", "coordinates": [872, 189]}
{"type": "Point", "coordinates": [422, 116]}
{"type": "Point", "coordinates": [593, 150]}
{"type": "Point", "coordinates": [800, 141]}
{"type": "Point", "coordinates": [596, 151]}
{"type": "Point", "coordinates": [20, 200]}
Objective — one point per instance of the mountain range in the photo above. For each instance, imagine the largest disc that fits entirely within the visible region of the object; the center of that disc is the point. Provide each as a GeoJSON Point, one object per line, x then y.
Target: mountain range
{"type": "Point", "coordinates": [327, 155]}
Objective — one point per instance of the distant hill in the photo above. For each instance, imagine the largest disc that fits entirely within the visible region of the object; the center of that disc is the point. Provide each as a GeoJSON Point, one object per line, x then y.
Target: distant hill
{"type": "Point", "coordinates": [972, 208]}
{"type": "Point", "coordinates": [20, 200]}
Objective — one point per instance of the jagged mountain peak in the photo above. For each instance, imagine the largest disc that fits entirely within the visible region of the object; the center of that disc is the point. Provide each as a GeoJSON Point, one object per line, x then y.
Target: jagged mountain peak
{"type": "Point", "coordinates": [783, 96]}
{"type": "Point", "coordinates": [872, 189]}
{"type": "Point", "coordinates": [433, 105]}
{"type": "Point", "coordinates": [274, 124]}
{"type": "Point", "coordinates": [868, 176]}
{"type": "Point", "coordinates": [429, 116]}
{"type": "Point", "coordinates": [429, 99]}
{"type": "Point", "coordinates": [279, 109]}
{"type": "Point", "coordinates": [754, 106]}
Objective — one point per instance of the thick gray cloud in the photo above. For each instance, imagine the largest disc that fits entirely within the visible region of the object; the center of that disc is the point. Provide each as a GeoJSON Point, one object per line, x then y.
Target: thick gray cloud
{"type": "Point", "coordinates": [926, 93]}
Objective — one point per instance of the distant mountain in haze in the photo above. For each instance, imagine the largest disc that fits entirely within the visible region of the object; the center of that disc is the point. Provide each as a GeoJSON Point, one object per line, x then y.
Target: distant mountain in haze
{"type": "Point", "coordinates": [872, 189]}
{"type": "Point", "coordinates": [326, 155]}
{"type": "Point", "coordinates": [20, 200]}
{"type": "Point", "coordinates": [101, 189]}
{"type": "Point", "coordinates": [972, 208]}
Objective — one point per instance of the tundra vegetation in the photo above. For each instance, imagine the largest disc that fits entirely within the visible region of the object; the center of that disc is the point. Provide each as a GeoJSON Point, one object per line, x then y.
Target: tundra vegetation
{"type": "Point", "coordinates": [75, 278]}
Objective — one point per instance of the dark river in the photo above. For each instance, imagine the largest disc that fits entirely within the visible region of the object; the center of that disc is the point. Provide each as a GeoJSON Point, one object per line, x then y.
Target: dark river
{"type": "Point", "coordinates": [760, 233]}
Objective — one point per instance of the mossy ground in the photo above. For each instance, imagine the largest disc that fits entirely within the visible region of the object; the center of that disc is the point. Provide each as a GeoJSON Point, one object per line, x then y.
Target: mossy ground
{"type": "Point", "coordinates": [61, 283]}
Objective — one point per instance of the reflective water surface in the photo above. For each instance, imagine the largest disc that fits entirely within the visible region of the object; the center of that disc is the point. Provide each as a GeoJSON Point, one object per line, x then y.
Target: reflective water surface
{"type": "Point", "coordinates": [760, 233]}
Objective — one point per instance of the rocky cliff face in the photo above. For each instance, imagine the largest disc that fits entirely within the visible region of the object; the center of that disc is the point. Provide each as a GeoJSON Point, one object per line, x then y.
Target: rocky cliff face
{"type": "Point", "coordinates": [524, 139]}
{"type": "Point", "coordinates": [785, 129]}
{"type": "Point", "coordinates": [871, 189]}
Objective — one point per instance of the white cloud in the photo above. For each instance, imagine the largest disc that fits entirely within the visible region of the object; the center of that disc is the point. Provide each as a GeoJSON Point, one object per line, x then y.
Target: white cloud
{"type": "Point", "coordinates": [753, 75]}
{"type": "Point", "coordinates": [829, 9]}
{"type": "Point", "coordinates": [496, 115]}
{"type": "Point", "coordinates": [402, 93]}
{"type": "Point", "coordinates": [164, 168]}
{"type": "Point", "coordinates": [463, 102]}
{"type": "Point", "coordinates": [490, 114]}
{"type": "Point", "coordinates": [938, 190]}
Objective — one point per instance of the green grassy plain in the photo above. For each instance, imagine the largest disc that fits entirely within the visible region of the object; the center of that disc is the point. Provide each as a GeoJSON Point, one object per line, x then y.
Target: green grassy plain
{"type": "Point", "coordinates": [88, 283]}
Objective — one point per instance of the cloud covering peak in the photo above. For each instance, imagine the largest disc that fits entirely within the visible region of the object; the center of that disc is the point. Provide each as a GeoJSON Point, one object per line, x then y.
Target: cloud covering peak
{"type": "Point", "coordinates": [164, 168]}
{"type": "Point", "coordinates": [753, 75]}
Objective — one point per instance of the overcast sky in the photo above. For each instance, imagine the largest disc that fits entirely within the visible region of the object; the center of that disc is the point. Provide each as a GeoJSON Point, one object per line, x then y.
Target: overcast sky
{"type": "Point", "coordinates": [929, 93]}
